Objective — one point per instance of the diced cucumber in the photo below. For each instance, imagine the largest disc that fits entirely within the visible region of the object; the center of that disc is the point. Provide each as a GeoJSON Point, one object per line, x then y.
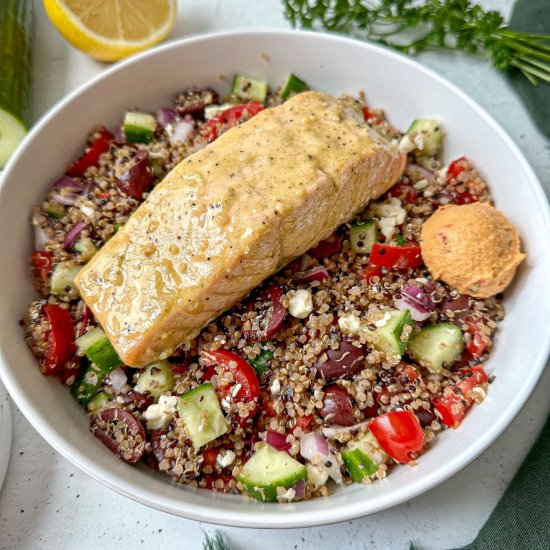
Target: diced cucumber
{"type": "Point", "coordinates": [427, 135]}
{"type": "Point", "coordinates": [261, 362]}
{"type": "Point", "coordinates": [62, 283]}
{"type": "Point", "coordinates": [55, 211]}
{"type": "Point", "coordinates": [249, 89]}
{"type": "Point", "coordinates": [16, 31]}
{"type": "Point", "coordinates": [362, 457]}
{"type": "Point", "coordinates": [202, 415]}
{"type": "Point", "coordinates": [363, 236]}
{"type": "Point", "coordinates": [86, 248]}
{"type": "Point", "coordinates": [99, 402]}
{"type": "Point", "coordinates": [436, 346]}
{"type": "Point", "coordinates": [156, 379]}
{"type": "Point", "coordinates": [293, 85]}
{"type": "Point", "coordinates": [139, 127]}
{"type": "Point", "coordinates": [103, 358]}
{"type": "Point", "coordinates": [269, 469]}
{"type": "Point", "coordinates": [390, 333]}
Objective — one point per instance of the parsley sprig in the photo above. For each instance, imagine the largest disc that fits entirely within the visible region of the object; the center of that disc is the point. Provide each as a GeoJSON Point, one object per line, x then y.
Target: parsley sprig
{"type": "Point", "coordinates": [412, 27]}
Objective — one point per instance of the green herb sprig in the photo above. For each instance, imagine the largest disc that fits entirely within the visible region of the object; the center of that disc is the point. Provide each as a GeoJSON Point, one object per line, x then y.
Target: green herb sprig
{"type": "Point", "coordinates": [442, 24]}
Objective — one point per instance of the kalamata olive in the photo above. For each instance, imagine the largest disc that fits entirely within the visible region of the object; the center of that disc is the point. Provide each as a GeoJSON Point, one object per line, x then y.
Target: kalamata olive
{"type": "Point", "coordinates": [341, 362]}
{"type": "Point", "coordinates": [138, 177]}
{"type": "Point", "coordinates": [271, 318]}
{"type": "Point", "coordinates": [337, 408]}
{"type": "Point", "coordinates": [327, 247]}
{"type": "Point", "coordinates": [193, 102]}
{"type": "Point", "coordinates": [425, 416]}
{"type": "Point", "coordinates": [158, 450]}
{"type": "Point", "coordinates": [460, 307]}
{"type": "Point", "coordinates": [140, 400]}
{"type": "Point", "coordinates": [116, 428]}
{"type": "Point", "coordinates": [318, 273]}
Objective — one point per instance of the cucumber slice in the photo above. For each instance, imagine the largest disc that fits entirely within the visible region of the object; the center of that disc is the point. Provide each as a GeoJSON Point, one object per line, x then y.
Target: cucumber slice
{"type": "Point", "coordinates": [86, 248]}
{"type": "Point", "coordinates": [363, 236]}
{"type": "Point", "coordinates": [156, 379]}
{"type": "Point", "coordinates": [293, 85]}
{"type": "Point", "coordinates": [269, 469]}
{"type": "Point", "coordinates": [427, 135]}
{"type": "Point", "coordinates": [63, 280]}
{"type": "Point", "coordinates": [139, 127]}
{"type": "Point", "coordinates": [103, 358]}
{"type": "Point", "coordinates": [261, 362]}
{"type": "Point", "coordinates": [16, 30]}
{"type": "Point", "coordinates": [202, 415]}
{"type": "Point", "coordinates": [390, 333]}
{"type": "Point", "coordinates": [99, 402]}
{"type": "Point", "coordinates": [436, 346]}
{"type": "Point", "coordinates": [55, 211]}
{"type": "Point", "coordinates": [362, 458]}
{"type": "Point", "coordinates": [249, 89]}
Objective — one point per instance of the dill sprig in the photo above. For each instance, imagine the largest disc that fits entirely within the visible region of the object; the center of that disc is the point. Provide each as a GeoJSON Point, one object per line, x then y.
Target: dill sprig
{"type": "Point", "coordinates": [443, 24]}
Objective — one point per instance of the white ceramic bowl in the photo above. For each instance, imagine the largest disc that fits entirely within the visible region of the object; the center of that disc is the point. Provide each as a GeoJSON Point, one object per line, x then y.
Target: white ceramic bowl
{"type": "Point", "coordinates": [405, 90]}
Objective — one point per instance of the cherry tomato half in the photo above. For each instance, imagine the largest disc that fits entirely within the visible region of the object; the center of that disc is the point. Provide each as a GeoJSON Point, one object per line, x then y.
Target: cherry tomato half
{"type": "Point", "coordinates": [59, 339]}
{"type": "Point", "coordinates": [91, 156]}
{"type": "Point", "coordinates": [42, 263]}
{"type": "Point", "coordinates": [454, 403]}
{"type": "Point", "coordinates": [273, 318]}
{"type": "Point", "coordinates": [399, 433]}
{"type": "Point", "coordinates": [327, 247]}
{"type": "Point", "coordinates": [243, 374]}
{"type": "Point", "coordinates": [395, 256]}
{"type": "Point", "coordinates": [230, 118]}
{"type": "Point", "coordinates": [457, 167]}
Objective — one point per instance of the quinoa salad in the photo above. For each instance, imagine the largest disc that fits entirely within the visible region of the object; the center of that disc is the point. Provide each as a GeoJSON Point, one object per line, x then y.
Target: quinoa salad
{"type": "Point", "coordinates": [343, 365]}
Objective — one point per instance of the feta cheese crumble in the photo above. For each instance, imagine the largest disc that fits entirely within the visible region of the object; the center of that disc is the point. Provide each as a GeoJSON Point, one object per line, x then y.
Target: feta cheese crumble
{"type": "Point", "coordinates": [300, 304]}
{"type": "Point", "coordinates": [159, 415]}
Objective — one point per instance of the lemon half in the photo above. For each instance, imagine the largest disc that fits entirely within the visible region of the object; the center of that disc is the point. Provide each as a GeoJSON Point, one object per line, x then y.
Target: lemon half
{"type": "Point", "coordinates": [109, 30]}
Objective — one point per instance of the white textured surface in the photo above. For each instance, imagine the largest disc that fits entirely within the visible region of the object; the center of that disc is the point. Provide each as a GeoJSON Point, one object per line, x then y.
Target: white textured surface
{"type": "Point", "coordinates": [47, 503]}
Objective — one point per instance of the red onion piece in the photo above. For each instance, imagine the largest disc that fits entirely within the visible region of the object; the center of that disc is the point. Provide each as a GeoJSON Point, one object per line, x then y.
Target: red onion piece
{"type": "Point", "coordinates": [120, 136]}
{"type": "Point", "coordinates": [416, 172]}
{"type": "Point", "coordinates": [40, 238]}
{"type": "Point", "coordinates": [67, 200]}
{"type": "Point", "coordinates": [277, 440]}
{"type": "Point", "coordinates": [182, 130]}
{"type": "Point", "coordinates": [313, 444]}
{"type": "Point", "coordinates": [73, 233]}
{"type": "Point", "coordinates": [165, 116]}
{"type": "Point", "coordinates": [416, 294]}
{"type": "Point", "coordinates": [118, 380]}
{"type": "Point", "coordinates": [299, 489]}
{"type": "Point", "coordinates": [314, 447]}
{"type": "Point", "coordinates": [318, 273]}
{"type": "Point", "coordinates": [418, 312]}
{"type": "Point", "coordinates": [66, 182]}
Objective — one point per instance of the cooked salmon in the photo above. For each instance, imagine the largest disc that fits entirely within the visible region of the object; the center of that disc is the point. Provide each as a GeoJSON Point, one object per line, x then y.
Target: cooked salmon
{"type": "Point", "coordinates": [231, 215]}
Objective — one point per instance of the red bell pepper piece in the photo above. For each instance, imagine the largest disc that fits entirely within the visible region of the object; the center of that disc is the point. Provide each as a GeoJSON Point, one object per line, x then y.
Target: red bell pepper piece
{"type": "Point", "coordinates": [370, 116]}
{"type": "Point", "coordinates": [456, 400]}
{"type": "Point", "coordinates": [91, 156]}
{"type": "Point", "coordinates": [327, 247]}
{"type": "Point", "coordinates": [42, 263]}
{"type": "Point", "coordinates": [395, 256]}
{"type": "Point", "coordinates": [399, 433]}
{"type": "Point", "coordinates": [369, 272]}
{"type": "Point", "coordinates": [277, 315]}
{"type": "Point", "coordinates": [457, 167]}
{"type": "Point", "coordinates": [477, 343]}
{"type": "Point", "coordinates": [465, 198]}
{"type": "Point", "coordinates": [303, 422]}
{"type": "Point", "coordinates": [243, 374]}
{"type": "Point", "coordinates": [406, 192]}
{"type": "Point", "coordinates": [230, 118]}
{"type": "Point", "coordinates": [210, 457]}
{"type": "Point", "coordinates": [60, 346]}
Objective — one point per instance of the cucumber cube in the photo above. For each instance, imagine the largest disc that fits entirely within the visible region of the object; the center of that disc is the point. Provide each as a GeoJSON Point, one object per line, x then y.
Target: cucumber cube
{"type": "Point", "coordinates": [249, 89]}
{"type": "Point", "coordinates": [363, 236]}
{"type": "Point", "coordinates": [390, 333]}
{"type": "Point", "coordinates": [139, 127]}
{"type": "Point", "coordinates": [200, 410]}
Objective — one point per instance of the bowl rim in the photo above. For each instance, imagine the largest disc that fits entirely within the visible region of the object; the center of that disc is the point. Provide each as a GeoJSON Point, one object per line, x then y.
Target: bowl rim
{"type": "Point", "coordinates": [271, 519]}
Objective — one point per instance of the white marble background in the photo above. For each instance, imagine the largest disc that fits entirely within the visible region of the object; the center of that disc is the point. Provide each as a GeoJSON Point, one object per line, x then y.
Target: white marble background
{"type": "Point", "coordinates": [47, 503]}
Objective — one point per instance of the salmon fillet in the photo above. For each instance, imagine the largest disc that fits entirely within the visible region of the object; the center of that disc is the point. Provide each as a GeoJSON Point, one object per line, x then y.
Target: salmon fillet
{"type": "Point", "coordinates": [231, 215]}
